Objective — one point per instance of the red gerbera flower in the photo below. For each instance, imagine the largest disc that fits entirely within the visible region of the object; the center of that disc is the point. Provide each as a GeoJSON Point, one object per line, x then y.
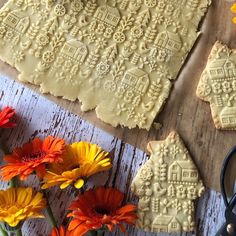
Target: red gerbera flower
{"type": "Point", "coordinates": [101, 207]}
{"type": "Point", "coordinates": [60, 232]}
{"type": "Point", "coordinates": [33, 156]}
{"type": "Point", "coordinates": [5, 117]}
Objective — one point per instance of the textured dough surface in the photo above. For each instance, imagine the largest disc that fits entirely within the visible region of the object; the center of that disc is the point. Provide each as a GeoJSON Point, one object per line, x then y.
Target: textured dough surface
{"type": "Point", "coordinates": [167, 185]}
{"type": "Point", "coordinates": [115, 56]}
{"type": "Point", "coordinates": [217, 86]}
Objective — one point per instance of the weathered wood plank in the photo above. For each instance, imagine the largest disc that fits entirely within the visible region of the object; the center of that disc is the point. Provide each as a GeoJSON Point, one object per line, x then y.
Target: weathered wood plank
{"type": "Point", "coordinates": [38, 116]}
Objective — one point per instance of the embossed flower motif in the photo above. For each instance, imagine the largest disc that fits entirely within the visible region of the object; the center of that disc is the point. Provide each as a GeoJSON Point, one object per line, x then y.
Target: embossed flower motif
{"type": "Point", "coordinates": [137, 32]}
{"type": "Point", "coordinates": [136, 3]}
{"type": "Point", "coordinates": [19, 56]}
{"type": "Point", "coordinates": [110, 86]}
{"type": "Point", "coordinates": [43, 14]}
{"type": "Point", "coordinates": [162, 72]}
{"type": "Point", "coordinates": [204, 89]}
{"type": "Point", "coordinates": [69, 20]}
{"type": "Point", "coordinates": [162, 150]}
{"type": "Point", "coordinates": [120, 108]}
{"type": "Point", "coordinates": [188, 207]}
{"type": "Point", "coordinates": [100, 43]}
{"type": "Point", "coordinates": [227, 87]}
{"type": "Point", "coordinates": [216, 87]}
{"type": "Point", "coordinates": [9, 35]}
{"type": "Point", "coordinates": [119, 37]}
{"type": "Point", "coordinates": [59, 10]}
{"type": "Point", "coordinates": [59, 62]}
{"type": "Point", "coordinates": [91, 37]}
{"type": "Point", "coordinates": [174, 150]}
{"type": "Point", "coordinates": [167, 22]}
{"type": "Point", "coordinates": [108, 32]}
{"type": "Point", "coordinates": [234, 85]}
{"type": "Point", "coordinates": [161, 5]}
{"type": "Point", "coordinates": [140, 192]}
{"type": "Point", "coordinates": [103, 68]}
{"type": "Point", "coordinates": [140, 119]}
{"type": "Point", "coordinates": [158, 18]}
{"type": "Point", "coordinates": [192, 192]}
{"type": "Point", "coordinates": [146, 173]}
{"type": "Point", "coordinates": [177, 205]}
{"type": "Point", "coordinates": [2, 31]}
{"type": "Point", "coordinates": [36, 7]}
{"type": "Point", "coordinates": [76, 6]}
{"type": "Point", "coordinates": [169, 9]}
{"type": "Point", "coordinates": [150, 3]}
{"type": "Point", "coordinates": [162, 55]}
{"type": "Point", "coordinates": [100, 28]}
{"type": "Point", "coordinates": [129, 96]}
{"type": "Point", "coordinates": [177, 25]}
{"type": "Point", "coordinates": [130, 113]}
{"type": "Point", "coordinates": [42, 39]}
{"type": "Point", "coordinates": [48, 57]}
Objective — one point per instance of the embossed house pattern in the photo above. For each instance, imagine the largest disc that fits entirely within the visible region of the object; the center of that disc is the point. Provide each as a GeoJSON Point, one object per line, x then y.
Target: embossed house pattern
{"type": "Point", "coordinates": [167, 185]}
{"type": "Point", "coordinates": [217, 86]}
{"type": "Point", "coordinates": [116, 57]}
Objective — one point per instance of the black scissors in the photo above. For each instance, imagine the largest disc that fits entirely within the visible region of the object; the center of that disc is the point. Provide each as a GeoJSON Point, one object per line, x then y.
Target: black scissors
{"type": "Point", "coordinates": [229, 227]}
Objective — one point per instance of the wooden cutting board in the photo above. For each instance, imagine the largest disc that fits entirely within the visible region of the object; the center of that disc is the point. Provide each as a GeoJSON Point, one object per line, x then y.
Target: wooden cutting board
{"type": "Point", "coordinates": [183, 112]}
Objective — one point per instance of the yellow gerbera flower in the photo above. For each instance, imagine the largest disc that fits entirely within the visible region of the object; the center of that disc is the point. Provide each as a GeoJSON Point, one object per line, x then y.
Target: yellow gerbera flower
{"type": "Point", "coordinates": [233, 9]}
{"type": "Point", "coordinates": [18, 204]}
{"type": "Point", "coordinates": [80, 161]}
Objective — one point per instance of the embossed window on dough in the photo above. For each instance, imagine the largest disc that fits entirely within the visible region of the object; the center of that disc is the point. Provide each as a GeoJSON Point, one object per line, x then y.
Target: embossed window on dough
{"type": "Point", "coordinates": [174, 225]}
{"type": "Point", "coordinates": [194, 174]}
{"type": "Point", "coordinates": [186, 174]}
{"type": "Point", "coordinates": [220, 71]}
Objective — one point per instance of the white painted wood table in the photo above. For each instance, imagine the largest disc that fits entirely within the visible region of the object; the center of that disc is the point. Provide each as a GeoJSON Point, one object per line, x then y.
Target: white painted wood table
{"type": "Point", "coordinates": [36, 116]}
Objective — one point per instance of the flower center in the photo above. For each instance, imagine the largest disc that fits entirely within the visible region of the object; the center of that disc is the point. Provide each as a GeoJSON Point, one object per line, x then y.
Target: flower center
{"type": "Point", "coordinates": [102, 211]}
{"type": "Point", "coordinates": [33, 156]}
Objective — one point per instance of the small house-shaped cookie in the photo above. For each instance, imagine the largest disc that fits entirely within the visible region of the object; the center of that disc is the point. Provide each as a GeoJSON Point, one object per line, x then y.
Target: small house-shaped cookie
{"type": "Point", "coordinates": [217, 86]}
{"type": "Point", "coordinates": [167, 185]}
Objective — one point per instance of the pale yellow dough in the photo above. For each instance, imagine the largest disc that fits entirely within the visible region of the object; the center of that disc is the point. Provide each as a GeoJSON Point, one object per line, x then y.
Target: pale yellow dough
{"type": "Point", "coordinates": [217, 86]}
{"type": "Point", "coordinates": [115, 56]}
{"type": "Point", "coordinates": [167, 185]}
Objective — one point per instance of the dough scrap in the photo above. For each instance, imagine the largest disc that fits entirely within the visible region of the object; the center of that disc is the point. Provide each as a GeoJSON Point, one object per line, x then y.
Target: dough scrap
{"type": "Point", "coordinates": [117, 57]}
{"type": "Point", "coordinates": [217, 86]}
{"type": "Point", "coordinates": [167, 185]}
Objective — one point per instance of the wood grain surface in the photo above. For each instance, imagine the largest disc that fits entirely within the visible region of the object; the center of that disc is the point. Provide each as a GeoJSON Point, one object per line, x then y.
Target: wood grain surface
{"type": "Point", "coordinates": [183, 112]}
{"type": "Point", "coordinates": [37, 116]}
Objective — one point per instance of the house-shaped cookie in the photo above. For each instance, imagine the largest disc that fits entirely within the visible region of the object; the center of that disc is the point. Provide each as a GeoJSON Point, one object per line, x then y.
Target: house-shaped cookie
{"type": "Point", "coordinates": [167, 185]}
{"type": "Point", "coordinates": [218, 86]}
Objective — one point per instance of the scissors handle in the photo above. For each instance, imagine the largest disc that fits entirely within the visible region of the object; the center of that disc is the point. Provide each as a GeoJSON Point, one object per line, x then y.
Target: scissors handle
{"type": "Point", "coordinates": [222, 176]}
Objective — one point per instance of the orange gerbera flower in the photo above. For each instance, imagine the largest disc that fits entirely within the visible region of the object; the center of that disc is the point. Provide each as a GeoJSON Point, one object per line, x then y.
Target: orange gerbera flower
{"type": "Point", "coordinates": [33, 156]}
{"type": "Point", "coordinates": [101, 207]}
{"type": "Point", "coordinates": [5, 118]}
{"type": "Point", "coordinates": [60, 232]}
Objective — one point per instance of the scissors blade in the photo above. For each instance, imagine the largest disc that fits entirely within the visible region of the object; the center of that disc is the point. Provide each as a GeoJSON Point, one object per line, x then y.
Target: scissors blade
{"type": "Point", "coordinates": [222, 231]}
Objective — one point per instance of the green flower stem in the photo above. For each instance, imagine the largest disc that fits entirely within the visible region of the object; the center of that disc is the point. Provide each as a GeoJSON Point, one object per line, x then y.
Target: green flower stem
{"type": "Point", "coordinates": [96, 233]}
{"type": "Point", "coordinates": [100, 233]}
{"type": "Point", "coordinates": [92, 233]}
{"type": "Point", "coordinates": [13, 182]}
{"type": "Point", "coordinates": [3, 232]}
{"type": "Point", "coordinates": [18, 232]}
{"type": "Point", "coordinates": [50, 215]}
